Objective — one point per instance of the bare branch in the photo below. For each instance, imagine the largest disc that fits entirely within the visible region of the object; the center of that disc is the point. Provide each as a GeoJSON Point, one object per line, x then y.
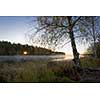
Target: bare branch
{"type": "Point", "coordinates": [76, 21]}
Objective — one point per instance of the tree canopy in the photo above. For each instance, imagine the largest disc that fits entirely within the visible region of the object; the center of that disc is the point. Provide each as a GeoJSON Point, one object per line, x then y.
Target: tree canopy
{"type": "Point", "coordinates": [55, 31]}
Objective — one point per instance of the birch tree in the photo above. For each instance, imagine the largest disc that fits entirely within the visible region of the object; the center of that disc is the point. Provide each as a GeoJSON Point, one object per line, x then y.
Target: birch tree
{"type": "Point", "coordinates": [56, 30]}
{"type": "Point", "coordinates": [90, 30]}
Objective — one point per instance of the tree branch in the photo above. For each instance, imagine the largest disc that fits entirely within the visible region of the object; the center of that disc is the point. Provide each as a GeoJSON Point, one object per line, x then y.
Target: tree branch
{"type": "Point", "coordinates": [76, 21]}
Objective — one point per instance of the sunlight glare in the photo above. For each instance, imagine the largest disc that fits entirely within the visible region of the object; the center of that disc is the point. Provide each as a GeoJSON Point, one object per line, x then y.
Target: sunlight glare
{"type": "Point", "coordinates": [25, 52]}
{"type": "Point", "coordinates": [68, 57]}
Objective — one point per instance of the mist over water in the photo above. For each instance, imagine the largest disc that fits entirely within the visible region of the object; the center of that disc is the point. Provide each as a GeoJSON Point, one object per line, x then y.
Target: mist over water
{"type": "Point", "coordinates": [19, 58]}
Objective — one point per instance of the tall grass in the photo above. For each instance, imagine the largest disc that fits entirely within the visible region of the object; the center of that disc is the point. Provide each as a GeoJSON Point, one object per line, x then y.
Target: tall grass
{"type": "Point", "coordinates": [90, 62]}
{"type": "Point", "coordinates": [29, 72]}
{"type": "Point", "coordinates": [43, 71]}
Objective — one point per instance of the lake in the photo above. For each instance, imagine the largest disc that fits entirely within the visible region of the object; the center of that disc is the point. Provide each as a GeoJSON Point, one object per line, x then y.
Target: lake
{"type": "Point", "coordinates": [19, 58]}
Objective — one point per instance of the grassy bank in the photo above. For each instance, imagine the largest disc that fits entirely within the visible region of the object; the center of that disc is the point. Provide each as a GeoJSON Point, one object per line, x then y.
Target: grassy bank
{"type": "Point", "coordinates": [90, 62]}
{"type": "Point", "coordinates": [43, 71]}
{"type": "Point", "coordinates": [40, 71]}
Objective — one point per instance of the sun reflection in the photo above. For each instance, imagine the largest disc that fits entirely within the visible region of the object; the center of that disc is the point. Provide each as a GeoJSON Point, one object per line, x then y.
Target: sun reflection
{"type": "Point", "coordinates": [68, 57]}
{"type": "Point", "coordinates": [25, 52]}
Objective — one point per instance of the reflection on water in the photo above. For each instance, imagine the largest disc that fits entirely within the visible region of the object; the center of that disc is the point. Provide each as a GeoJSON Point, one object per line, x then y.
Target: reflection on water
{"type": "Point", "coordinates": [63, 57]}
{"type": "Point", "coordinates": [19, 58]}
{"type": "Point", "coordinates": [36, 58]}
{"type": "Point", "coordinates": [68, 57]}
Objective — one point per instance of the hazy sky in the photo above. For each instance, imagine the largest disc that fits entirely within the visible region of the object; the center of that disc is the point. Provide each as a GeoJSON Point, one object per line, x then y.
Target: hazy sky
{"type": "Point", "coordinates": [13, 29]}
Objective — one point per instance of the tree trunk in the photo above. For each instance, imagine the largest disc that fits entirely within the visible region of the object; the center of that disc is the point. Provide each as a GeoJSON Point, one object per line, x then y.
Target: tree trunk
{"type": "Point", "coordinates": [75, 52]}
{"type": "Point", "coordinates": [94, 38]}
{"type": "Point", "coordinates": [94, 49]}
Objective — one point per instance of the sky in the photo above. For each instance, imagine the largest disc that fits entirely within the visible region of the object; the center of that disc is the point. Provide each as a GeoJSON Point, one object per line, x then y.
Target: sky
{"type": "Point", "coordinates": [15, 28]}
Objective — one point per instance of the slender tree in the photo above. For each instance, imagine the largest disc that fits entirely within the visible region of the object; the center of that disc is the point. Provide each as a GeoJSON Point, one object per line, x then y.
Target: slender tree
{"type": "Point", "coordinates": [90, 30]}
{"type": "Point", "coordinates": [56, 30]}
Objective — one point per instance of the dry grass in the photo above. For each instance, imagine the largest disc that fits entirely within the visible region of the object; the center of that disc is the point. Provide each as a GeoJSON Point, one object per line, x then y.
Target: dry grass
{"type": "Point", "coordinates": [90, 62]}
{"type": "Point", "coordinates": [43, 71]}
{"type": "Point", "coordinates": [29, 72]}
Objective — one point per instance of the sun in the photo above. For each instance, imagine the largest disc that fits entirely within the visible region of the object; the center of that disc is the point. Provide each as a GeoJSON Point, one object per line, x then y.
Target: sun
{"type": "Point", "coordinates": [25, 52]}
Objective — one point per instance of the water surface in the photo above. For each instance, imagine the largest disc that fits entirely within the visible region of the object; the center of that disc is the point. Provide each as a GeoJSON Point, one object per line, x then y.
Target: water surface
{"type": "Point", "coordinates": [19, 58]}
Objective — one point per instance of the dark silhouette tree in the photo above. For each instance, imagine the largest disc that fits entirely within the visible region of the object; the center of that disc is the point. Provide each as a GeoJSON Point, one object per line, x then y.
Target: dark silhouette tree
{"type": "Point", "coordinates": [56, 30]}
{"type": "Point", "coordinates": [90, 29]}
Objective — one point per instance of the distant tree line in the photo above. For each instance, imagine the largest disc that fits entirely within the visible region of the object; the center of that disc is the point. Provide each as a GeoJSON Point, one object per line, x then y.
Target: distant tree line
{"type": "Point", "coordinates": [8, 48]}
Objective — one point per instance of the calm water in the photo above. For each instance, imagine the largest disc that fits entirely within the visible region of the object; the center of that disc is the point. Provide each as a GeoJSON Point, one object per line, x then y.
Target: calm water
{"type": "Point", "coordinates": [32, 58]}
{"type": "Point", "coordinates": [36, 58]}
